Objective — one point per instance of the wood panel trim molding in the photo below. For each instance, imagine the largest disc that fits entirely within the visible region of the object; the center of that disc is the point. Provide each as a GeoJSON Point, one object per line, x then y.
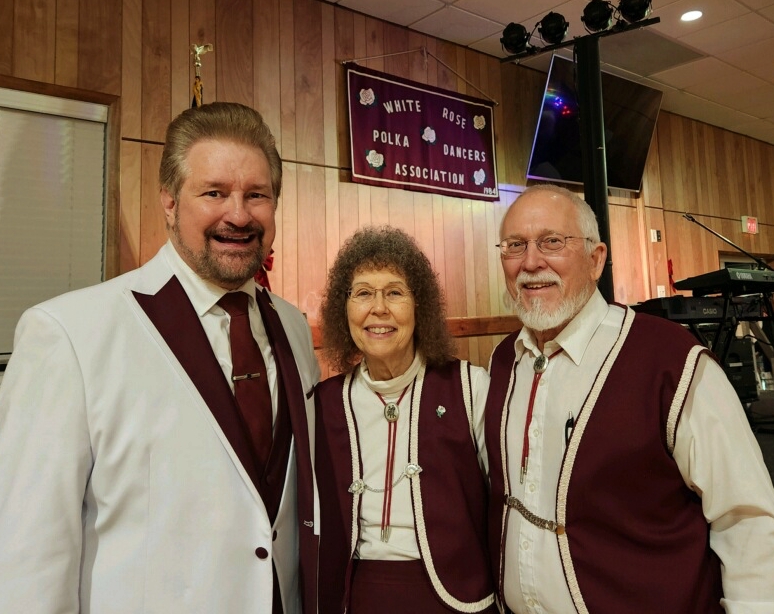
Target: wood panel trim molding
{"type": "Point", "coordinates": [483, 326]}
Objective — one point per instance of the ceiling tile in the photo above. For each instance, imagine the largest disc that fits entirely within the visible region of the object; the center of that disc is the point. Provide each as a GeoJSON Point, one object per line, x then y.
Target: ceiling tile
{"type": "Point", "coordinates": [726, 85]}
{"type": "Point", "coordinates": [402, 12]}
{"type": "Point", "coordinates": [761, 130]}
{"type": "Point", "coordinates": [715, 11]}
{"type": "Point", "coordinates": [525, 13]}
{"type": "Point", "coordinates": [711, 113]}
{"type": "Point", "coordinates": [452, 24]}
{"type": "Point", "coordinates": [490, 45]}
{"type": "Point", "coordinates": [755, 59]}
{"type": "Point", "coordinates": [680, 103]}
{"type": "Point", "coordinates": [691, 73]}
{"type": "Point", "coordinates": [758, 103]}
{"type": "Point", "coordinates": [728, 90]}
{"type": "Point", "coordinates": [756, 4]}
{"type": "Point", "coordinates": [645, 51]}
{"type": "Point", "coordinates": [745, 127]}
{"type": "Point", "coordinates": [658, 4]}
{"type": "Point", "coordinates": [737, 32]}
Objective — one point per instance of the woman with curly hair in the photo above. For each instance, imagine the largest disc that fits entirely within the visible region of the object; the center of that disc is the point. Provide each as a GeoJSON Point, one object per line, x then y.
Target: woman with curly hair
{"type": "Point", "coordinates": [400, 462]}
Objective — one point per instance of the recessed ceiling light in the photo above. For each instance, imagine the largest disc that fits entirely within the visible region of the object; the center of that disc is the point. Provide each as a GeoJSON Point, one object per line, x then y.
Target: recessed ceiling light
{"type": "Point", "coordinates": [691, 16]}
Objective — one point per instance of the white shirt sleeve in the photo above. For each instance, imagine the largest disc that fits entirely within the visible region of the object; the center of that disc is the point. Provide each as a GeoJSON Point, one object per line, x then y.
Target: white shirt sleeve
{"type": "Point", "coordinates": [479, 385]}
{"type": "Point", "coordinates": [721, 461]}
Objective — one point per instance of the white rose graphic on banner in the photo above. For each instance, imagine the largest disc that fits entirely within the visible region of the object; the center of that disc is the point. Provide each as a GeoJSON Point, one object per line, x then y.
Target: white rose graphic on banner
{"type": "Point", "coordinates": [479, 176]}
{"type": "Point", "coordinates": [375, 159]}
{"type": "Point", "coordinates": [479, 122]}
{"type": "Point", "coordinates": [367, 97]}
{"type": "Point", "coordinates": [428, 135]}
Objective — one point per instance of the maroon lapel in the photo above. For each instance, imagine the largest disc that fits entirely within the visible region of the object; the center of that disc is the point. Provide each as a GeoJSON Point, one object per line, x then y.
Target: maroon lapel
{"type": "Point", "coordinates": [174, 317]}
{"type": "Point", "coordinates": [294, 393]}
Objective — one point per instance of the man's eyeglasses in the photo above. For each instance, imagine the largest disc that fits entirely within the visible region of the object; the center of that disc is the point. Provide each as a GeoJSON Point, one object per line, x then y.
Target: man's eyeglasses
{"type": "Point", "coordinates": [391, 293]}
{"type": "Point", "coordinates": [549, 244]}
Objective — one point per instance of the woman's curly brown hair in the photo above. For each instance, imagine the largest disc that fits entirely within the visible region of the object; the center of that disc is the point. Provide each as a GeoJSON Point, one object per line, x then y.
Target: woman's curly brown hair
{"type": "Point", "coordinates": [375, 248]}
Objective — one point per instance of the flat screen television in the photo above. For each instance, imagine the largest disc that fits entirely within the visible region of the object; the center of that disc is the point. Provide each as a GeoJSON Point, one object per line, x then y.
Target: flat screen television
{"type": "Point", "coordinates": [629, 110]}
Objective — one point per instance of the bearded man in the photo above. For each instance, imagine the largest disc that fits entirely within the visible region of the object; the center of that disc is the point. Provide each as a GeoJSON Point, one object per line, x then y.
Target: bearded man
{"type": "Point", "coordinates": [154, 445]}
{"type": "Point", "coordinates": [624, 475]}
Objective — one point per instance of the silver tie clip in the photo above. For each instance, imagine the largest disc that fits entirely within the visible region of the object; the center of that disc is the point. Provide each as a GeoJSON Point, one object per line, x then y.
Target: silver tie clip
{"type": "Point", "coordinates": [236, 378]}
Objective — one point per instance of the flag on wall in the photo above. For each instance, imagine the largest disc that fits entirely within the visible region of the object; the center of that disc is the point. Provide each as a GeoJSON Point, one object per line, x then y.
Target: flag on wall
{"type": "Point", "coordinates": [405, 134]}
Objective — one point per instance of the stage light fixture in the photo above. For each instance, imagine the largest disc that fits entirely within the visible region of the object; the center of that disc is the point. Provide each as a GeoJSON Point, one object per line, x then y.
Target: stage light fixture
{"type": "Point", "coordinates": [634, 10]}
{"type": "Point", "coordinates": [515, 38]}
{"type": "Point", "coordinates": [597, 16]}
{"type": "Point", "coordinates": [553, 28]}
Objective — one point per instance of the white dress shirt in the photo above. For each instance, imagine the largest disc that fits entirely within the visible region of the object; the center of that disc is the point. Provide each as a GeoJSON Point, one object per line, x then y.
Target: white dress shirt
{"type": "Point", "coordinates": [715, 451]}
{"type": "Point", "coordinates": [372, 434]}
{"type": "Point", "coordinates": [204, 297]}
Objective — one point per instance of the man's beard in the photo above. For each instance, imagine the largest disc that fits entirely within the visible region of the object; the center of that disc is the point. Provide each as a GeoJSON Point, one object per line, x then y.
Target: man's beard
{"type": "Point", "coordinates": [222, 269]}
{"type": "Point", "coordinates": [536, 317]}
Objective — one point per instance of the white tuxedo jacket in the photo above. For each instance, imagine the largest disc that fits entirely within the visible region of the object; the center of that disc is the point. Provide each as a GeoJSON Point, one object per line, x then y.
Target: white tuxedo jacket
{"type": "Point", "coordinates": [119, 491]}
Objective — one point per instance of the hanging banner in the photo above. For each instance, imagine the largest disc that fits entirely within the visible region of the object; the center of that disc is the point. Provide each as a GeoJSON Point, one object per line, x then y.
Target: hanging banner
{"type": "Point", "coordinates": [409, 135]}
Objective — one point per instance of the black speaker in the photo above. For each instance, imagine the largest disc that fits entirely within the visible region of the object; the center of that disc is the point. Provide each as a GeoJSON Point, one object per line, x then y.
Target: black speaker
{"type": "Point", "coordinates": [739, 362]}
{"type": "Point", "coordinates": [766, 442]}
{"type": "Point", "coordinates": [739, 366]}
{"type": "Point", "coordinates": [761, 416]}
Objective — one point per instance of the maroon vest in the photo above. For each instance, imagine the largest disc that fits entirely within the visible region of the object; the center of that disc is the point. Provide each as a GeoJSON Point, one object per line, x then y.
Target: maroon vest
{"type": "Point", "coordinates": [636, 538]}
{"type": "Point", "coordinates": [453, 492]}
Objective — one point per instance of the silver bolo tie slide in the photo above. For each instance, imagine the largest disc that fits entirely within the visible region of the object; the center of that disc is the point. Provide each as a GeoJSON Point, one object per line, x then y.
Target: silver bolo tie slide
{"type": "Point", "coordinates": [540, 364]}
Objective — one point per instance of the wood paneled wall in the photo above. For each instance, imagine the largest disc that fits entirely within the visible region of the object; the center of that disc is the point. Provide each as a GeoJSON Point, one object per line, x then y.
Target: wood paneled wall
{"type": "Point", "coordinates": [717, 176]}
{"type": "Point", "coordinates": [284, 58]}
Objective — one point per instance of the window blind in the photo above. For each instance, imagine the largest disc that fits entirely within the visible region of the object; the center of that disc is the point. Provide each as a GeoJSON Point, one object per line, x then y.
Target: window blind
{"type": "Point", "coordinates": [52, 201]}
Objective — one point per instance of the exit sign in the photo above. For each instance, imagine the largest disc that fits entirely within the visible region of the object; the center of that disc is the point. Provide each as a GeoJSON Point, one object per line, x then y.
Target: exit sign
{"type": "Point", "coordinates": [750, 224]}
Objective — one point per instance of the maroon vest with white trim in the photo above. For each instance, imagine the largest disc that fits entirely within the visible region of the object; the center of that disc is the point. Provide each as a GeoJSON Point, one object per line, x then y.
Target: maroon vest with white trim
{"type": "Point", "coordinates": [636, 539]}
{"type": "Point", "coordinates": [451, 520]}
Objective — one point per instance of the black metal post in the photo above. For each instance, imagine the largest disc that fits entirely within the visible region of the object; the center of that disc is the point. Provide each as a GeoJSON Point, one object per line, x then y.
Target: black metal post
{"type": "Point", "coordinates": [592, 133]}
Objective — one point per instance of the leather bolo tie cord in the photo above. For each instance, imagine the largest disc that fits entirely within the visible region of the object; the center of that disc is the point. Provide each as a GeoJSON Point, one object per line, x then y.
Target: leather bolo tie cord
{"type": "Point", "coordinates": [540, 366]}
{"type": "Point", "coordinates": [391, 414]}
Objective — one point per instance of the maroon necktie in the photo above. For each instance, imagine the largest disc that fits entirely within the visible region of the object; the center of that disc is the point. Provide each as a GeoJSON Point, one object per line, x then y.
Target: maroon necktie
{"type": "Point", "coordinates": [251, 384]}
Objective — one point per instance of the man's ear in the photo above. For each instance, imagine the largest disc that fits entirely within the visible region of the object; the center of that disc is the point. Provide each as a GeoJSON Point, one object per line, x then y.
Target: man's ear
{"type": "Point", "coordinates": [598, 258]}
{"type": "Point", "coordinates": [168, 204]}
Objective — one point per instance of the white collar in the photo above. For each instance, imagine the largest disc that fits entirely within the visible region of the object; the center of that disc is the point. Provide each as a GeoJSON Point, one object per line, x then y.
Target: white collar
{"type": "Point", "coordinates": [394, 385]}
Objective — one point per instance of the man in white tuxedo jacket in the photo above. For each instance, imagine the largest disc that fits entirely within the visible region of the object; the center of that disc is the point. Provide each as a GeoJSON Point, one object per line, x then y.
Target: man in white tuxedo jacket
{"type": "Point", "coordinates": [128, 475]}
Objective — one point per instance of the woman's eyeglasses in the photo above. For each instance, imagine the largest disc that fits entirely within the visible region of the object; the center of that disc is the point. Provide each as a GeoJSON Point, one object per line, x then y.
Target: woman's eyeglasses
{"type": "Point", "coordinates": [391, 293]}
